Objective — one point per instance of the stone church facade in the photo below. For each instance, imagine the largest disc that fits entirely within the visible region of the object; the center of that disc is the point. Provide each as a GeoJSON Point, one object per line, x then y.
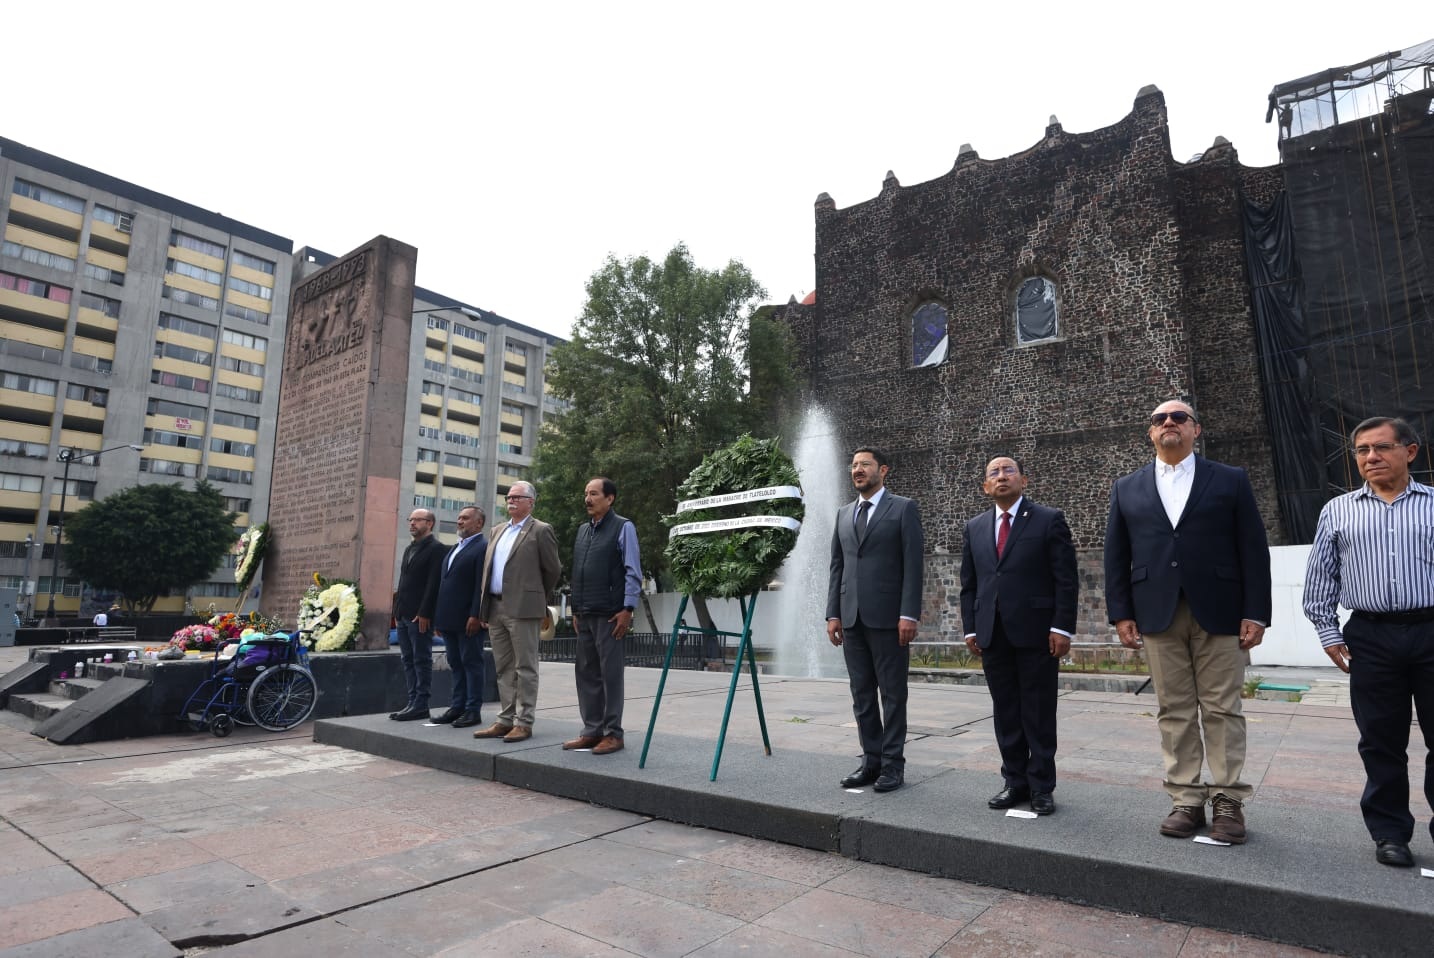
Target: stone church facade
{"type": "Point", "coordinates": [1040, 306]}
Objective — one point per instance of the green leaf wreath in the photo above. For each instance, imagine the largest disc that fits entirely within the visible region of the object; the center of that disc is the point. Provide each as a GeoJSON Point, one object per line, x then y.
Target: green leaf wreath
{"type": "Point", "coordinates": [737, 561]}
{"type": "Point", "coordinates": [250, 551]}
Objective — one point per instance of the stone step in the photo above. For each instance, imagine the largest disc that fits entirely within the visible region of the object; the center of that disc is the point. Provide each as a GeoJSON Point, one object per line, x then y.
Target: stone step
{"type": "Point", "coordinates": [74, 688]}
{"type": "Point", "coordinates": [39, 705]}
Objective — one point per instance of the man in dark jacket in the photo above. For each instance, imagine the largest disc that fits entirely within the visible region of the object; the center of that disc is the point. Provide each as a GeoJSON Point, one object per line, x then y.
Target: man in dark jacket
{"type": "Point", "coordinates": [606, 585]}
{"type": "Point", "coordinates": [413, 603]}
{"type": "Point", "coordinates": [455, 618]}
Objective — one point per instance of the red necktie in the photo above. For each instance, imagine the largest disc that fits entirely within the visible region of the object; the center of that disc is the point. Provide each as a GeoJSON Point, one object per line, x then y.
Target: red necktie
{"type": "Point", "coordinates": [1003, 534]}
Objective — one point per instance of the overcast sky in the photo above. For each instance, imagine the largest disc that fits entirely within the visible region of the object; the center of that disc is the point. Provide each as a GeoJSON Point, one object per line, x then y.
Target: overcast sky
{"type": "Point", "coordinates": [517, 145]}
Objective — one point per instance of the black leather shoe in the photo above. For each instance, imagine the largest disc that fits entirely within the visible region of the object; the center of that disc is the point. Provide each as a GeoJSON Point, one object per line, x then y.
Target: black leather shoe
{"type": "Point", "coordinates": [411, 714]}
{"type": "Point", "coordinates": [467, 719]}
{"type": "Point", "coordinates": [1043, 803]}
{"type": "Point", "coordinates": [861, 778]}
{"type": "Point", "coordinates": [1008, 797]}
{"type": "Point", "coordinates": [889, 781]}
{"type": "Point", "coordinates": [1393, 853]}
{"type": "Point", "coordinates": [395, 715]}
{"type": "Point", "coordinates": [448, 716]}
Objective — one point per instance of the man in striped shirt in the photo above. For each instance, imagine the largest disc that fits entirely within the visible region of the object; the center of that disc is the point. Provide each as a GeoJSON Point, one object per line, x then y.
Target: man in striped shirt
{"type": "Point", "coordinates": [1373, 553]}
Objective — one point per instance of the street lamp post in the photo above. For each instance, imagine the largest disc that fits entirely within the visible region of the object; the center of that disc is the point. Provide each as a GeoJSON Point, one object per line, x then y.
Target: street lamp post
{"type": "Point", "coordinates": [67, 456]}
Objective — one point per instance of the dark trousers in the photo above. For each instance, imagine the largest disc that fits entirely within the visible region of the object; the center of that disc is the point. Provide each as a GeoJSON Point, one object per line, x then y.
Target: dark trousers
{"type": "Point", "coordinates": [415, 651]}
{"type": "Point", "coordinates": [877, 663]}
{"type": "Point", "coordinates": [599, 674]}
{"type": "Point", "coordinates": [1023, 685]}
{"type": "Point", "coordinates": [1390, 666]}
{"type": "Point", "coordinates": [465, 661]}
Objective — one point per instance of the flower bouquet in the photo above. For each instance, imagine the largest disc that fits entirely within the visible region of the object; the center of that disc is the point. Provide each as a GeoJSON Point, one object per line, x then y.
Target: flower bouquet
{"type": "Point", "coordinates": [329, 614]}
{"type": "Point", "coordinates": [250, 551]}
{"type": "Point", "coordinates": [195, 638]}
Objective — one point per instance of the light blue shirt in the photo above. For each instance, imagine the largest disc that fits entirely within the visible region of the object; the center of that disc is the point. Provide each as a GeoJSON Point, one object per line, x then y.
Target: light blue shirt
{"type": "Point", "coordinates": [501, 551]}
{"type": "Point", "coordinates": [1372, 556]}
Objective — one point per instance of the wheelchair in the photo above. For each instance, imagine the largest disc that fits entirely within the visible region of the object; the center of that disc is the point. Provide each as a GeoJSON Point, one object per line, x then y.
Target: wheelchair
{"type": "Point", "coordinates": [267, 683]}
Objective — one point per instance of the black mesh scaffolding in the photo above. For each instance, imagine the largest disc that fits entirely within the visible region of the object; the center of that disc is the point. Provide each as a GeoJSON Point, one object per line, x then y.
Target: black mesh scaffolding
{"type": "Point", "coordinates": [1340, 270]}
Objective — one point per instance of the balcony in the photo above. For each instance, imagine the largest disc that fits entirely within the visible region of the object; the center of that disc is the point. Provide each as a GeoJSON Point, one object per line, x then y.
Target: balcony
{"type": "Point", "coordinates": [45, 218]}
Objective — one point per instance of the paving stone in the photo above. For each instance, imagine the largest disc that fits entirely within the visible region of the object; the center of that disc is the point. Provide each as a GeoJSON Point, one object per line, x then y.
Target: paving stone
{"type": "Point", "coordinates": [642, 923]}
{"type": "Point", "coordinates": [315, 939]}
{"type": "Point", "coordinates": [865, 927]}
{"type": "Point", "coordinates": [57, 914]}
{"type": "Point", "coordinates": [217, 921]}
{"type": "Point", "coordinates": [126, 937]}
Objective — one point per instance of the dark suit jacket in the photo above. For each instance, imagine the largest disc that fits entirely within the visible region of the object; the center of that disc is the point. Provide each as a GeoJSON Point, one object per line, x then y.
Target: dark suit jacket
{"type": "Point", "coordinates": [880, 577]}
{"type": "Point", "coordinates": [1032, 586]}
{"type": "Point", "coordinates": [458, 588]}
{"type": "Point", "coordinates": [1216, 554]}
{"type": "Point", "coordinates": [531, 574]}
{"type": "Point", "coordinates": [418, 579]}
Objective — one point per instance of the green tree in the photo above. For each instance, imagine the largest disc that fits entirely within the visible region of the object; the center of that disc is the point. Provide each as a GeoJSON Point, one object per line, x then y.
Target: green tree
{"type": "Point", "coordinates": [662, 368]}
{"type": "Point", "coordinates": [146, 541]}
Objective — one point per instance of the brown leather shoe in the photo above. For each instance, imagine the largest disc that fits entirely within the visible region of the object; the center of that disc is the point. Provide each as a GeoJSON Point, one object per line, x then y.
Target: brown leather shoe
{"type": "Point", "coordinates": [1228, 822]}
{"type": "Point", "coordinates": [608, 745]}
{"type": "Point", "coordinates": [1183, 820]}
{"type": "Point", "coordinates": [518, 733]}
{"type": "Point", "coordinates": [582, 741]}
{"type": "Point", "coordinates": [496, 730]}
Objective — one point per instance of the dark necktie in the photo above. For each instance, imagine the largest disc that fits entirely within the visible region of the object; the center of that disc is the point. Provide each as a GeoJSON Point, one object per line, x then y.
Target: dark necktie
{"type": "Point", "coordinates": [861, 514]}
{"type": "Point", "coordinates": [1003, 534]}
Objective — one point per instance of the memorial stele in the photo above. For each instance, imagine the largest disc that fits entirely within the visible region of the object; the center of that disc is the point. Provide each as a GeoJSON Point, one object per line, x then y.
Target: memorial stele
{"type": "Point", "coordinates": [334, 497]}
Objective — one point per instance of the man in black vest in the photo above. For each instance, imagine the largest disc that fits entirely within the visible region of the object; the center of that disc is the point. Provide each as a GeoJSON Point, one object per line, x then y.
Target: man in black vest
{"type": "Point", "coordinates": [606, 584]}
{"type": "Point", "coordinates": [413, 603]}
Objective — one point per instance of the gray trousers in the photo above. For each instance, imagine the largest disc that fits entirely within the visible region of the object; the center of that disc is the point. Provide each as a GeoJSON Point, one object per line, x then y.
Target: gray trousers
{"type": "Point", "coordinates": [599, 674]}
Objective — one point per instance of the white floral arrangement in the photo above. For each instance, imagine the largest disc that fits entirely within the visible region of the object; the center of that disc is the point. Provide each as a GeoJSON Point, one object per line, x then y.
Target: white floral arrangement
{"type": "Point", "coordinates": [329, 614]}
{"type": "Point", "coordinates": [250, 549]}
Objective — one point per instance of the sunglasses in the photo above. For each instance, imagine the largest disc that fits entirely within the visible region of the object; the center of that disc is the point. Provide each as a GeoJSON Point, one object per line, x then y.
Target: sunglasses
{"type": "Point", "coordinates": [1179, 417]}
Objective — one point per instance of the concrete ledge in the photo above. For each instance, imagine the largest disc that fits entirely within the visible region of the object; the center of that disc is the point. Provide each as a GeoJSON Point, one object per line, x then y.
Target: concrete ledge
{"type": "Point", "coordinates": [1306, 877]}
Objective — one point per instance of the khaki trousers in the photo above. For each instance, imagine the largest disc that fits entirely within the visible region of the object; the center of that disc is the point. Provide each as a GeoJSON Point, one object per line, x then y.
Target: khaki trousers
{"type": "Point", "coordinates": [515, 657]}
{"type": "Point", "coordinates": [1198, 678]}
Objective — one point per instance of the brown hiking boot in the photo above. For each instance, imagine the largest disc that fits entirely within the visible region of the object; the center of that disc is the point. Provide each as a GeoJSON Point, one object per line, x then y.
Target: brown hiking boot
{"type": "Point", "coordinates": [1183, 821]}
{"type": "Point", "coordinates": [1228, 822]}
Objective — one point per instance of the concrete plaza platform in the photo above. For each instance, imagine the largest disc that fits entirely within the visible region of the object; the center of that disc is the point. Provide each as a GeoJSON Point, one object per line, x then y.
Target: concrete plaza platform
{"type": "Point", "coordinates": [1307, 876]}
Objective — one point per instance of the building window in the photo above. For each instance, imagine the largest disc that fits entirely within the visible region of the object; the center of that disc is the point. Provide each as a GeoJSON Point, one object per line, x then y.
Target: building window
{"type": "Point", "coordinates": [246, 314]}
{"type": "Point", "coordinates": [100, 304]}
{"type": "Point", "coordinates": [928, 335]}
{"type": "Point", "coordinates": [464, 396]}
{"type": "Point", "coordinates": [468, 332]}
{"type": "Point", "coordinates": [29, 384]}
{"type": "Point", "coordinates": [257, 343]}
{"type": "Point", "coordinates": [237, 504]}
{"type": "Point", "coordinates": [178, 440]}
{"type": "Point", "coordinates": [220, 474]}
{"type": "Point", "coordinates": [463, 462]}
{"type": "Point", "coordinates": [120, 221]}
{"type": "Point", "coordinates": [222, 590]}
{"type": "Point", "coordinates": [23, 449]}
{"type": "Point", "coordinates": [253, 289]}
{"type": "Point", "coordinates": [166, 467]}
{"type": "Point", "coordinates": [104, 274]}
{"type": "Point", "coordinates": [431, 388]}
{"type": "Point", "coordinates": [14, 482]}
{"type": "Point", "coordinates": [188, 298]}
{"type": "Point", "coordinates": [34, 287]}
{"type": "Point", "coordinates": [93, 395]}
{"type": "Point", "coordinates": [229, 391]}
{"type": "Point", "coordinates": [185, 241]}
{"type": "Point", "coordinates": [241, 366]}
{"type": "Point", "coordinates": [510, 448]}
{"type": "Point", "coordinates": [160, 378]}
{"type": "Point", "coordinates": [1037, 318]}
{"type": "Point", "coordinates": [428, 455]}
{"type": "Point", "coordinates": [167, 350]}
{"type": "Point", "coordinates": [232, 447]}
{"type": "Point", "coordinates": [179, 410]}
{"type": "Point", "coordinates": [193, 272]}
{"type": "Point", "coordinates": [181, 325]}
{"type": "Point", "coordinates": [253, 262]}
{"type": "Point", "coordinates": [238, 420]}
{"type": "Point", "coordinates": [37, 256]}
{"type": "Point", "coordinates": [48, 196]}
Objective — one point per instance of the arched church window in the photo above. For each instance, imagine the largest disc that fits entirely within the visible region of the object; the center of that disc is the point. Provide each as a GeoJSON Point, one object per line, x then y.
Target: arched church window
{"type": "Point", "coordinates": [928, 335]}
{"type": "Point", "coordinates": [1037, 318]}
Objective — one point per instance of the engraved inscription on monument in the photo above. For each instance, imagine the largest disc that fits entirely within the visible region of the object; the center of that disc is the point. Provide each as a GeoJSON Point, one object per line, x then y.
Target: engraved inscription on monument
{"type": "Point", "coordinates": [327, 471]}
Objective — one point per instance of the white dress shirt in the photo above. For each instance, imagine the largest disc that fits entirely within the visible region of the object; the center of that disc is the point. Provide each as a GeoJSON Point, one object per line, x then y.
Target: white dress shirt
{"type": "Point", "coordinates": [1173, 483]}
{"type": "Point", "coordinates": [500, 555]}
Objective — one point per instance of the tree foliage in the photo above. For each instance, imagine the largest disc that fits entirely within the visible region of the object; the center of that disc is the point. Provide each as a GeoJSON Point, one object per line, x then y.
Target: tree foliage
{"type": "Point", "coordinates": [147, 541]}
{"type": "Point", "coordinates": [659, 372]}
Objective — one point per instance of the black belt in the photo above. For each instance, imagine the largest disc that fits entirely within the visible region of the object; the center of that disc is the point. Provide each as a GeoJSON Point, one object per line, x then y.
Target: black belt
{"type": "Point", "coordinates": [1397, 618]}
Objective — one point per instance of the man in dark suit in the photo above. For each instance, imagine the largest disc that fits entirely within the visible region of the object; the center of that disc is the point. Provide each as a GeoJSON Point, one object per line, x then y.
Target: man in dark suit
{"type": "Point", "coordinates": [455, 618]}
{"type": "Point", "coordinates": [520, 571]}
{"type": "Point", "coordinates": [873, 608]}
{"type": "Point", "coordinates": [1018, 609]}
{"type": "Point", "coordinates": [413, 612]}
{"type": "Point", "coordinates": [1187, 577]}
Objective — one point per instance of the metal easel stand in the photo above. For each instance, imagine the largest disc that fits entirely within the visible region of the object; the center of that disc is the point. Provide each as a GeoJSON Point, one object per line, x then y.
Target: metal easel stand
{"type": "Point", "coordinates": [744, 649]}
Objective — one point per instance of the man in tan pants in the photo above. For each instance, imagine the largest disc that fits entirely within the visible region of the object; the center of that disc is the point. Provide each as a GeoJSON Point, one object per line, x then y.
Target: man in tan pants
{"type": "Point", "coordinates": [520, 571]}
{"type": "Point", "coordinates": [1187, 577]}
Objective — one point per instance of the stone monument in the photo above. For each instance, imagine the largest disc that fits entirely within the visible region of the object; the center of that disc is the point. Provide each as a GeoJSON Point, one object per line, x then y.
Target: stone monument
{"type": "Point", "coordinates": [333, 500]}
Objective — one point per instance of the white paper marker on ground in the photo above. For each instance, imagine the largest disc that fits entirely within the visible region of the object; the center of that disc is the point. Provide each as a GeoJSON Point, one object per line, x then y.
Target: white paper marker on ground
{"type": "Point", "coordinates": [1019, 813]}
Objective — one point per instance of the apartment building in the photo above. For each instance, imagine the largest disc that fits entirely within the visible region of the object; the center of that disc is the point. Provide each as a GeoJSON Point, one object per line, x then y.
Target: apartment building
{"type": "Point", "coordinates": [127, 318]}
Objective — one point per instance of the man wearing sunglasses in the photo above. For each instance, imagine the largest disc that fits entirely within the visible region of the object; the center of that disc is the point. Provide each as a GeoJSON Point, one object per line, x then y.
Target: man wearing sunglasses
{"type": "Point", "coordinates": [1187, 578]}
{"type": "Point", "coordinates": [1373, 553]}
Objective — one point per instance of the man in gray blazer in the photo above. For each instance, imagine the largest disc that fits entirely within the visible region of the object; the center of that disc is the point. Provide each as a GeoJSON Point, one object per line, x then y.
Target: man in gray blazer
{"type": "Point", "coordinates": [520, 571]}
{"type": "Point", "coordinates": [873, 607]}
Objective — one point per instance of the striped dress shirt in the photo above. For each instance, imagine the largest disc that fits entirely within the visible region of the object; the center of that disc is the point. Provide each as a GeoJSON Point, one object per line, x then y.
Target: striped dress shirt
{"type": "Point", "coordinates": [1372, 556]}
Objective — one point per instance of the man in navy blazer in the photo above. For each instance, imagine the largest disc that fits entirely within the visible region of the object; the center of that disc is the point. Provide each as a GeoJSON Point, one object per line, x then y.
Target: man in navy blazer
{"type": "Point", "coordinates": [1018, 610]}
{"type": "Point", "coordinates": [455, 617]}
{"type": "Point", "coordinates": [1187, 577]}
{"type": "Point", "coordinates": [873, 607]}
